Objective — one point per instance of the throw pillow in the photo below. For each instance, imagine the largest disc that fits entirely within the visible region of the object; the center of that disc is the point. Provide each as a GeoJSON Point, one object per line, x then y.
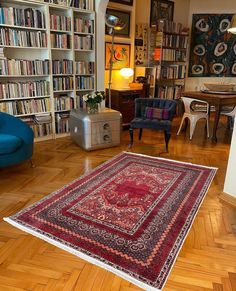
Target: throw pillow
{"type": "Point", "coordinates": [156, 113]}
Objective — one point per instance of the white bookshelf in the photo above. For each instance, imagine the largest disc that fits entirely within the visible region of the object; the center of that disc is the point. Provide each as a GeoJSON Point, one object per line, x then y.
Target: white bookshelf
{"type": "Point", "coordinates": [51, 53]}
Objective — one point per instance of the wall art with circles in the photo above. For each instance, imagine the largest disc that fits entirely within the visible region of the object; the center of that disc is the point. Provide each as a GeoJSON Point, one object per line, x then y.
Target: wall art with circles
{"type": "Point", "coordinates": [213, 49]}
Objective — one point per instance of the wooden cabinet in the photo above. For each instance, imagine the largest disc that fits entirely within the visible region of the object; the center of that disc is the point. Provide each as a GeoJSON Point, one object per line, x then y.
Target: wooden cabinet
{"type": "Point", "coordinates": [122, 100]}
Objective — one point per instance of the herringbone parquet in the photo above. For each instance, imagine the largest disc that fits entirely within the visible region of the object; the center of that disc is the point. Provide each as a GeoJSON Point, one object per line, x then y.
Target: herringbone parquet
{"type": "Point", "coordinates": [206, 262]}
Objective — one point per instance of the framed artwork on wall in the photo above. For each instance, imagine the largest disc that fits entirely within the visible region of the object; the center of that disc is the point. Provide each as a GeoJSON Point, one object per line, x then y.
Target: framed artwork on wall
{"type": "Point", "coordinates": [161, 9]}
{"type": "Point", "coordinates": [121, 58]}
{"type": "Point", "coordinates": [126, 2]}
{"type": "Point", "coordinates": [213, 49]}
{"type": "Point", "coordinates": [125, 18]}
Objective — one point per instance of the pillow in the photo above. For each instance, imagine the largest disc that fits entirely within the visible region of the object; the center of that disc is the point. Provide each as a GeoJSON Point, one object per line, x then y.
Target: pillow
{"type": "Point", "coordinates": [157, 113]}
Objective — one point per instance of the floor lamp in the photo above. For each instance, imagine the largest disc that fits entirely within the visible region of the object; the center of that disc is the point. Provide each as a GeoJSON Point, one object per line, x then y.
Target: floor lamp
{"type": "Point", "coordinates": [115, 24]}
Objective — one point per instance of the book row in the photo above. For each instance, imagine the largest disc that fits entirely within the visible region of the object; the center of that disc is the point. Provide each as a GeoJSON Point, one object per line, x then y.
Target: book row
{"type": "Point", "coordinates": [173, 55]}
{"type": "Point", "coordinates": [24, 67]}
{"type": "Point", "coordinates": [172, 72]}
{"type": "Point", "coordinates": [26, 106]}
{"type": "Point", "coordinates": [82, 4]}
{"type": "Point", "coordinates": [170, 92]}
{"type": "Point", "coordinates": [22, 38]}
{"type": "Point", "coordinates": [28, 17]}
{"type": "Point", "coordinates": [60, 22]}
{"type": "Point", "coordinates": [83, 25]}
{"type": "Point", "coordinates": [63, 102]}
{"type": "Point", "coordinates": [176, 41]}
{"type": "Point", "coordinates": [83, 67]}
{"type": "Point", "coordinates": [62, 83]}
{"type": "Point", "coordinates": [83, 42]}
{"type": "Point", "coordinates": [62, 67]}
{"type": "Point", "coordinates": [24, 89]}
{"type": "Point", "coordinates": [40, 129]}
{"type": "Point", "coordinates": [62, 122]}
{"type": "Point", "coordinates": [84, 82]}
{"type": "Point", "coordinates": [174, 27]}
{"type": "Point", "coordinates": [60, 40]}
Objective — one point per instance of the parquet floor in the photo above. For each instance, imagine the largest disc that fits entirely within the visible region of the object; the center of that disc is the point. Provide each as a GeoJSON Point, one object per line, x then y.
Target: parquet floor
{"type": "Point", "coordinates": [206, 262]}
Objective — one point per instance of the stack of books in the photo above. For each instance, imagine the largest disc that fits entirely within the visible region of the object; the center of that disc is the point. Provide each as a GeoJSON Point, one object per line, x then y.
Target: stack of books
{"type": "Point", "coordinates": [83, 42]}
{"type": "Point", "coordinates": [23, 67]}
{"type": "Point", "coordinates": [28, 17]}
{"type": "Point", "coordinates": [83, 25]}
{"type": "Point", "coordinates": [83, 67]}
{"type": "Point", "coordinates": [22, 38]}
{"type": "Point", "coordinates": [24, 89]}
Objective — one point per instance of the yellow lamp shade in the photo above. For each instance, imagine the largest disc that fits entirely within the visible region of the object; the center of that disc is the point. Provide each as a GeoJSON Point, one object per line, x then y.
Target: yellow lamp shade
{"type": "Point", "coordinates": [127, 72]}
{"type": "Point", "coordinates": [232, 28]}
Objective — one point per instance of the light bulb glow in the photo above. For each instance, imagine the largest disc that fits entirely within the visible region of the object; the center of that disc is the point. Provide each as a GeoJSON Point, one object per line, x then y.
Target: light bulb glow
{"type": "Point", "coordinates": [127, 72]}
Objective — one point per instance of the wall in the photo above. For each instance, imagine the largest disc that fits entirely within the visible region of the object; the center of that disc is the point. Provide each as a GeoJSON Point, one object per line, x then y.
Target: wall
{"type": "Point", "coordinates": [230, 180]}
{"type": "Point", "coordinates": [209, 6]}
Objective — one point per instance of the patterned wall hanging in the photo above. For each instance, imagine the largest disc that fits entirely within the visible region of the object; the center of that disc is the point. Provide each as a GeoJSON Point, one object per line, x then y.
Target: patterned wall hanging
{"type": "Point", "coordinates": [141, 44]}
{"type": "Point", "coordinates": [213, 49]}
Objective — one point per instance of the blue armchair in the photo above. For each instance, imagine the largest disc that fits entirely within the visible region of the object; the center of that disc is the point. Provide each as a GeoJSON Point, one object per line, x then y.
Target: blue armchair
{"type": "Point", "coordinates": [16, 140]}
{"type": "Point", "coordinates": [153, 113]}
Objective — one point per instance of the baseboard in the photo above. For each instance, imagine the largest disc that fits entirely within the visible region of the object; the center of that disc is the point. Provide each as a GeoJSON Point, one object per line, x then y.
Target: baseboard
{"type": "Point", "coordinates": [228, 199]}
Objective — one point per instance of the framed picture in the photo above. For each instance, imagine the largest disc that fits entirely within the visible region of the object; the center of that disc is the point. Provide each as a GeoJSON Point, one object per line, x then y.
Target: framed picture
{"type": "Point", "coordinates": [121, 57]}
{"type": "Point", "coordinates": [124, 17]}
{"type": "Point", "coordinates": [161, 9]}
{"type": "Point", "coordinates": [126, 2]}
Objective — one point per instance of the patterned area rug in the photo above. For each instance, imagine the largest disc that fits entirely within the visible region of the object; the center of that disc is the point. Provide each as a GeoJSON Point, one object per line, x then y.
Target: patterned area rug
{"type": "Point", "coordinates": [130, 215]}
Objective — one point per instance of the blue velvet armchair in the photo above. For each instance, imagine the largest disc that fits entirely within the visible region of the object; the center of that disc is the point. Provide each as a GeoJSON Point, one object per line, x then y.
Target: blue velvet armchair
{"type": "Point", "coordinates": [160, 118]}
{"type": "Point", "coordinates": [16, 140]}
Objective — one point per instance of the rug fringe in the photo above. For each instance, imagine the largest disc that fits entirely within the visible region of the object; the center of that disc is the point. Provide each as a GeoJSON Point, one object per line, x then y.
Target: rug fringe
{"type": "Point", "coordinates": [173, 161]}
{"type": "Point", "coordinates": [82, 255]}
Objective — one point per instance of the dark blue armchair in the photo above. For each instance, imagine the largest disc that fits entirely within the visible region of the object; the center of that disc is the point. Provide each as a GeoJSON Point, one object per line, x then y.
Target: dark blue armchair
{"type": "Point", "coordinates": [16, 140]}
{"type": "Point", "coordinates": [153, 113]}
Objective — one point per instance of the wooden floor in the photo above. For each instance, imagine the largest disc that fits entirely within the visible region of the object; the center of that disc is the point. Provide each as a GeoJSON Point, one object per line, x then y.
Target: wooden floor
{"type": "Point", "coordinates": [206, 262]}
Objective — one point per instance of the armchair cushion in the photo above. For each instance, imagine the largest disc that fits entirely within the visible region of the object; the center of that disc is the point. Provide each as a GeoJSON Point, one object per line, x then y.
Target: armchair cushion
{"type": "Point", "coordinates": [157, 113]}
{"type": "Point", "coordinates": [9, 143]}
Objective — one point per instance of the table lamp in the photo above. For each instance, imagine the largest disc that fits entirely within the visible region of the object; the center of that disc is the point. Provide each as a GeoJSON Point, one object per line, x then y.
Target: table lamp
{"type": "Point", "coordinates": [127, 73]}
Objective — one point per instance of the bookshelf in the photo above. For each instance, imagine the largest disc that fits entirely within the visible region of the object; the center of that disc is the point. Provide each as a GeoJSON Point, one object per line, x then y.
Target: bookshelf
{"type": "Point", "coordinates": [165, 64]}
{"type": "Point", "coordinates": [169, 55]}
{"type": "Point", "coordinates": [47, 61]}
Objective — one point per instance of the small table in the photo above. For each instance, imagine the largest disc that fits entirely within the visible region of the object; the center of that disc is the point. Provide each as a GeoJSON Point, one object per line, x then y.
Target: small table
{"type": "Point", "coordinates": [218, 100]}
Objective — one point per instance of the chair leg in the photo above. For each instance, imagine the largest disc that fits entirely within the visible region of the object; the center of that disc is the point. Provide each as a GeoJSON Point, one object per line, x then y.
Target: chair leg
{"type": "Point", "coordinates": [140, 133]}
{"type": "Point", "coordinates": [32, 165]}
{"type": "Point", "coordinates": [207, 125]}
{"type": "Point", "coordinates": [181, 124]}
{"type": "Point", "coordinates": [131, 134]}
{"type": "Point", "coordinates": [192, 127]}
{"type": "Point", "coordinates": [167, 138]}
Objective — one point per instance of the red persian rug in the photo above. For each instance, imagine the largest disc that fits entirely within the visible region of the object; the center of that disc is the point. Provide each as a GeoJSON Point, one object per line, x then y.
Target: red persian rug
{"type": "Point", "coordinates": [130, 215]}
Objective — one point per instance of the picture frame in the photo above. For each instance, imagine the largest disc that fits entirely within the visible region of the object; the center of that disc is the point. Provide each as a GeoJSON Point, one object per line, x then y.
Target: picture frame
{"type": "Point", "coordinates": [161, 9]}
{"type": "Point", "coordinates": [125, 17]}
{"type": "Point", "coordinates": [121, 57]}
{"type": "Point", "coordinates": [125, 2]}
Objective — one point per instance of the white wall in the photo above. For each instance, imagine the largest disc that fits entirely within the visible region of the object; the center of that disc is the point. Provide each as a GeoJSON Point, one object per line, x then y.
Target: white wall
{"type": "Point", "coordinates": [230, 180]}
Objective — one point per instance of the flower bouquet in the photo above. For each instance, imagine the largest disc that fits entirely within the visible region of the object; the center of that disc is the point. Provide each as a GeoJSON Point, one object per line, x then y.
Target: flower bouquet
{"type": "Point", "coordinates": [93, 99]}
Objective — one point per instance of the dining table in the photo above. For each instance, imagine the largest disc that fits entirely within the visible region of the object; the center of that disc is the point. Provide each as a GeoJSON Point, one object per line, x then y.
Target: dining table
{"type": "Point", "coordinates": [216, 99]}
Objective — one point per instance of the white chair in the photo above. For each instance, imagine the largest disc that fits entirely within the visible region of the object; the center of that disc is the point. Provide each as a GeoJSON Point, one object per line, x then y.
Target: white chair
{"type": "Point", "coordinates": [230, 113]}
{"type": "Point", "coordinates": [193, 115]}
